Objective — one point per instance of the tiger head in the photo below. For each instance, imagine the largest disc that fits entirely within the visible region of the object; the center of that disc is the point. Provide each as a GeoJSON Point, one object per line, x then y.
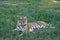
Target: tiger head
{"type": "Point", "coordinates": [22, 21]}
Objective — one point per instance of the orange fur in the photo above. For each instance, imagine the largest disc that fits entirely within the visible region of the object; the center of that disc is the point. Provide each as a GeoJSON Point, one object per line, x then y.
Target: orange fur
{"type": "Point", "coordinates": [41, 23]}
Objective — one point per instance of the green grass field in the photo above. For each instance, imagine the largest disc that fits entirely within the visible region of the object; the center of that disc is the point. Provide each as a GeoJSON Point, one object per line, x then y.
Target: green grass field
{"type": "Point", "coordinates": [35, 10]}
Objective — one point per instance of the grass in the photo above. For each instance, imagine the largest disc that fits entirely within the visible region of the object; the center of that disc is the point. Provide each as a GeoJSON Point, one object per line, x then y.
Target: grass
{"type": "Point", "coordinates": [35, 10]}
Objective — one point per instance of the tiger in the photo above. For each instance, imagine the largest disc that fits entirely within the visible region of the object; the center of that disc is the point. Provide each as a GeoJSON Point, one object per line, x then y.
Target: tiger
{"type": "Point", "coordinates": [23, 25]}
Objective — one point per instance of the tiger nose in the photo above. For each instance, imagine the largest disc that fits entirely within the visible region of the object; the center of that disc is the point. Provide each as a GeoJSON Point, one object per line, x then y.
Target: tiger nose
{"type": "Point", "coordinates": [22, 20]}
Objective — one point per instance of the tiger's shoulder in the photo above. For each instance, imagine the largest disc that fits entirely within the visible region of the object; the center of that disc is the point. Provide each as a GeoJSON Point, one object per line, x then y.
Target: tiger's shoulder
{"type": "Point", "coordinates": [41, 23]}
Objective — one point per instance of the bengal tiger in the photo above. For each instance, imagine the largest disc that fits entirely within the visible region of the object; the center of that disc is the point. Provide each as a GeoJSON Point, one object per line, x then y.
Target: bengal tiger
{"type": "Point", "coordinates": [23, 25]}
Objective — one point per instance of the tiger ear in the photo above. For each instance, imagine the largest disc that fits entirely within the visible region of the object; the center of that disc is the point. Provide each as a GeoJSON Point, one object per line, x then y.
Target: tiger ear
{"type": "Point", "coordinates": [25, 17]}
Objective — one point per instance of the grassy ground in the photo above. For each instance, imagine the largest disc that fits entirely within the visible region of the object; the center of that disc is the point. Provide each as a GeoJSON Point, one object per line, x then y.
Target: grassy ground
{"type": "Point", "coordinates": [35, 10]}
